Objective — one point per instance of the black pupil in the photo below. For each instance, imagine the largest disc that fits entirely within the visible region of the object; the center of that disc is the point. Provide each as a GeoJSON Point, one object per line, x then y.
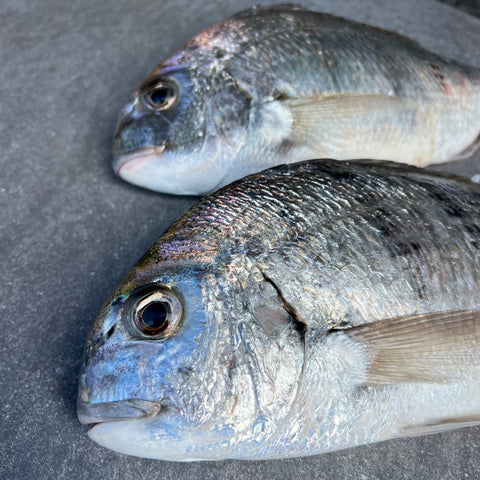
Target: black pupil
{"type": "Point", "coordinates": [160, 95]}
{"type": "Point", "coordinates": [155, 317]}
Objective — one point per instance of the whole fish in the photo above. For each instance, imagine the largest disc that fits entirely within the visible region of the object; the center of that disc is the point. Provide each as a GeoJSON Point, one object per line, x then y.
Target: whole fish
{"type": "Point", "coordinates": [282, 84]}
{"type": "Point", "coordinates": [304, 309]}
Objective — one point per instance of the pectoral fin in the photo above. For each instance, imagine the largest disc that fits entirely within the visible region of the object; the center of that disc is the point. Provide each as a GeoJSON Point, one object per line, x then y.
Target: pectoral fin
{"type": "Point", "coordinates": [469, 151]}
{"type": "Point", "coordinates": [352, 125]}
{"type": "Point", "coordinates": [431, 348]}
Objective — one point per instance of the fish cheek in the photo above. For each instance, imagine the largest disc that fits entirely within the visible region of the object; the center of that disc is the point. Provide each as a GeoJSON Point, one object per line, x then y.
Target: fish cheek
{"type": "Point", "coordinates": [271, 354]}
{"type": "Point", "coordinates": [274, 352]}
{"type": "Point", "coordinates": [128, 366]}
{"type": "Point", "coordinates": [232, 107]}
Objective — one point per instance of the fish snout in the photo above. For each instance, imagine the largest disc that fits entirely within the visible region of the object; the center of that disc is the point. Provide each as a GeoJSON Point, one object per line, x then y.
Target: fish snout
{"type": "Point", "coordinates": [138, 131]}
{"type": "Point", "coordinates": [119, 410]}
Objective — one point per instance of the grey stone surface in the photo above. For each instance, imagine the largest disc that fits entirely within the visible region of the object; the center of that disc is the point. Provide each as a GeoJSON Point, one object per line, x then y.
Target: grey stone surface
{"type": "Point", "coordinates": [470, 6]}
{"type": "Point", "coordinates": [70, 230]}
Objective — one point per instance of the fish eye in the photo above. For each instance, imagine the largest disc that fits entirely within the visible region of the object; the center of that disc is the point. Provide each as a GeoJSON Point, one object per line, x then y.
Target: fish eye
{"type": "Point", "coordinates": [158, 315]}
{"type": "Point", "coordinates": [161, 96]}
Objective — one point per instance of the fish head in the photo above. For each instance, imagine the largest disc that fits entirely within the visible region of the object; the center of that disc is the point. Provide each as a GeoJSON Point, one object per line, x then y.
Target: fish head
{"type": "Point", "coordinates": [141, 349]}
{"type": "Point", "coordinates": [180, 366]}
{"type": "Point", "coordinates": [181, 129]}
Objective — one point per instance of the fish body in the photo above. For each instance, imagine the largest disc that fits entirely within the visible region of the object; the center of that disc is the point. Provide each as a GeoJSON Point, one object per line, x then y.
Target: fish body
{"type": "Point", "coordinates": [304, 309]}
{"type": "Point", "coordinates": [282, 84]}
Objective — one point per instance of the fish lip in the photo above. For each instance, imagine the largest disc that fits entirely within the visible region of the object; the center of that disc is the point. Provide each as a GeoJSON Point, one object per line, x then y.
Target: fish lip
{"type": "Point", "coordinates": [130, 409]}
{"type": "Point", "coordinates": [121, 159]}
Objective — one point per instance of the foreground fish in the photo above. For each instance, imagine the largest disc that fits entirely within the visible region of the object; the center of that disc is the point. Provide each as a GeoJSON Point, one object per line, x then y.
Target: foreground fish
{"type": "Point", "coordinates": [295, 312]}
{"type": "Point", "coordinates": [283, 84]}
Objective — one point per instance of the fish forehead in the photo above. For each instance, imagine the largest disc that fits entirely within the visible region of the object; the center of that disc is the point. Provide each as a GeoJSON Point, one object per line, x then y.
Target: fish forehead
{"type": "Point", "coordinates": [205, 53]}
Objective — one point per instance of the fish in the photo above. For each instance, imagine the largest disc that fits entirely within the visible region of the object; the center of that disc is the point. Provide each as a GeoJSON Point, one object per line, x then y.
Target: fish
{"type": "Point", "coordinates": [282, 84]}
{"type": "Point", "coordinates": [301, 310]}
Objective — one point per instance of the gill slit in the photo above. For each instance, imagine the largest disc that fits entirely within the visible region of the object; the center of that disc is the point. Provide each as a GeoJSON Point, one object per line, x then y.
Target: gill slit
{"type": "Point", "coordinates": [302, 328]}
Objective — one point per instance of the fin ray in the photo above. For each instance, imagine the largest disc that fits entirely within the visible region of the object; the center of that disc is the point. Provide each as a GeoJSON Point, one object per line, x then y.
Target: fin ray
{"type": "Point", "coordinates": [434, 347]}
{"type": "Point", "coordinates": [349, 125]}
{"type": "Point", "coordinates": [439, 426]}
{"type": "Point", "coordinates": [469, 151]}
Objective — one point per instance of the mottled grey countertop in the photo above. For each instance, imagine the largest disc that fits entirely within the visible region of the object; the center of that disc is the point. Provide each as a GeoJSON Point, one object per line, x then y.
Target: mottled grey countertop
{"type": "Point", "coordinates": [70, 229]}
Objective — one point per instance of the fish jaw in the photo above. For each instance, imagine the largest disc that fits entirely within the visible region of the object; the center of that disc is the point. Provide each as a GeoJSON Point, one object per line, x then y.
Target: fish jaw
{"type": "Point", "coordinates": [141, 428]}
{"type": "Point", "coordinates": [168, 436]}
{"type": "Point", "coordinates": [150, 168]}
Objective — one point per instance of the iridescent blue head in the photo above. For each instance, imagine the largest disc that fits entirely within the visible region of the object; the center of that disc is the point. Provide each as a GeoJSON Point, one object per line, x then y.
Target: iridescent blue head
{"type": "Point", "coordinates": [142, 348]}
{"type": "Point", "coordinates": [193, 357]}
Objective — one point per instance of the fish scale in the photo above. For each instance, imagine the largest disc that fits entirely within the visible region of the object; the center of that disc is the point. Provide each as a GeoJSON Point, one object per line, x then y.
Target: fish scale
{"type": "Point", "coordinates": [247, 209]}
{"type": "Point", "coordinates": [371, 52]}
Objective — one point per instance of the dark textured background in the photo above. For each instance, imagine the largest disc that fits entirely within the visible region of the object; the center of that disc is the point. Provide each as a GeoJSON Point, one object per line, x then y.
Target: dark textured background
{"type": "Point", "coordinates": [70, 230]}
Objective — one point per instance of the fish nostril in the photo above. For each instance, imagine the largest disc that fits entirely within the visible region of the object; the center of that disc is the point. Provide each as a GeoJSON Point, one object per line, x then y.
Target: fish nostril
{"type": "Point", "coordinates": [116, 301]}
{"type": "Point", "coordinates": [110, 332]}
{"type": "Point", "coordinates": [96, 344]}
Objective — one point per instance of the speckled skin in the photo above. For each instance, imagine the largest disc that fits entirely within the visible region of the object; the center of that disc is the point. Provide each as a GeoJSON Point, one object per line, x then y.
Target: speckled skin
{"type": "Point", "coordinates": [238, 82]}
{"type": "Point", "coordinates": [266, 269]}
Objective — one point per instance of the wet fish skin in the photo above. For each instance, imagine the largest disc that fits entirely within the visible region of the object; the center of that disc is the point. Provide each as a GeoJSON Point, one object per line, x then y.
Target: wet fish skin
{"type": "Point", "coordinates": [287, 280]}
{"type": "Point", "coordinates": [282, 84]}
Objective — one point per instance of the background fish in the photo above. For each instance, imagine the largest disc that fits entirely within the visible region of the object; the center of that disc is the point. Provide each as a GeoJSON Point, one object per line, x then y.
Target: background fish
{"type": "Point", "coordinates": [283, 84]}
{"type": "Point", "coordinates": [290, 314]}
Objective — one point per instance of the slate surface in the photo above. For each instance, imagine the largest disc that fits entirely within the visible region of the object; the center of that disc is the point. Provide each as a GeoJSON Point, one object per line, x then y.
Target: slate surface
{"type": "Point", "coordinates": [70, 229]}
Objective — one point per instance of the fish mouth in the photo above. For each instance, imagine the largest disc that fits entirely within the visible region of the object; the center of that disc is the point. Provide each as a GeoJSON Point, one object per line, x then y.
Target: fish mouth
{"type": "Point", "coordinates": [121, 160]}
{"type": "Point", "coordinates": [93, 413]}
